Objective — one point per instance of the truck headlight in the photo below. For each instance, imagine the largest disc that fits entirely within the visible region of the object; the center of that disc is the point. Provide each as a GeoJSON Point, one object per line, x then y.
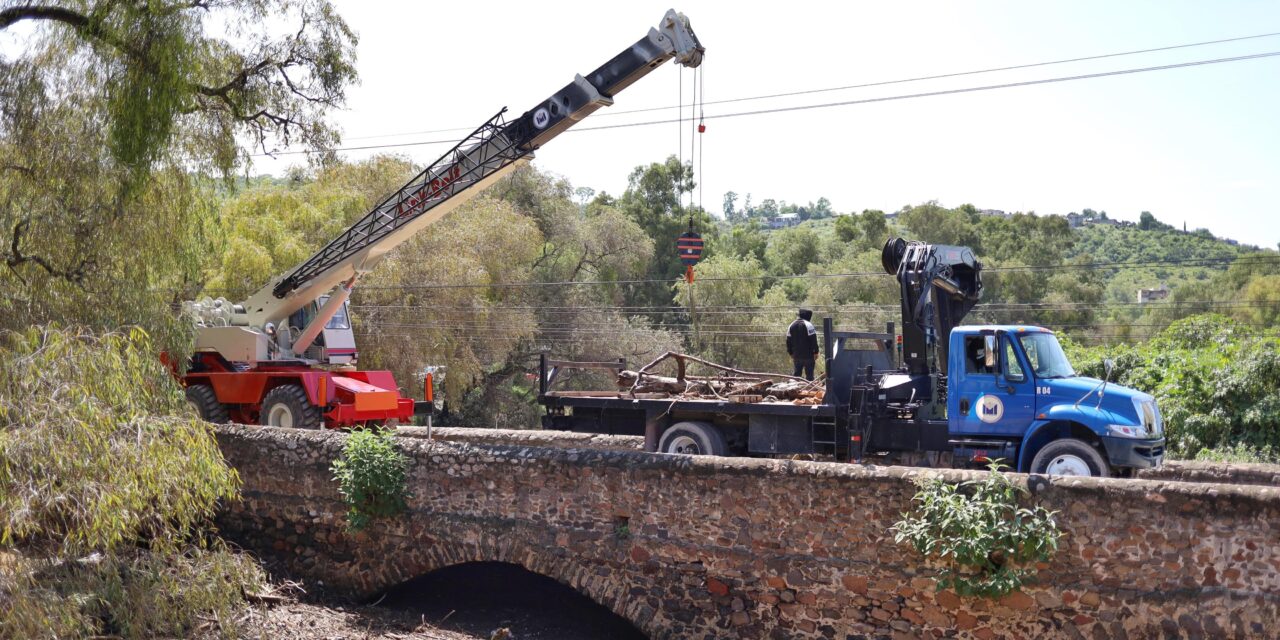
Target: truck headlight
{"type": "Point", "coordinates": [1127, 430]}
{"type": "Point", "coordinates": [1149, 416]}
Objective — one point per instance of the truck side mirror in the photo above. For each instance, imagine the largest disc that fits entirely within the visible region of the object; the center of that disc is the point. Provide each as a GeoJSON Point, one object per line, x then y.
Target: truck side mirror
{"type": "Point", "coordinates": [989, 351]}
{"type": "Point", "coordinates": [1109, 365]}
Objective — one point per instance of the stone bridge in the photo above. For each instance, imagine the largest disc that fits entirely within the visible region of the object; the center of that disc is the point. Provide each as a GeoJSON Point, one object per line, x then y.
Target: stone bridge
{"type": "Point", "coordinates": [693, 547]}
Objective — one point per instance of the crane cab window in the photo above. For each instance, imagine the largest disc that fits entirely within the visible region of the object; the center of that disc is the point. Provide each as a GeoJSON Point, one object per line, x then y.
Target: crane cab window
{"type": "Point", "coordinates": [975, 357]}
{"type": "Point", "coordinates": [340, 320]}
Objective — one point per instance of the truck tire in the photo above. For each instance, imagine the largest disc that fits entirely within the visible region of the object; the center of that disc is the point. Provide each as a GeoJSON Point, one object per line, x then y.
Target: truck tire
{"type": "Point", "coordinates": [693, 438]}
{"type": "Point", "coordinates": [1070, 457]}
{"type": "Point", "coordinates": [288, 406]}
{"type": "Point", "coordinates": [202, 398]}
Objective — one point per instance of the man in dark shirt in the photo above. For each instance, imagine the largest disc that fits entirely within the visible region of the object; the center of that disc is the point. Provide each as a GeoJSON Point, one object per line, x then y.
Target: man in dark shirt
{"type": "Point", "coordinates": [802, 344]}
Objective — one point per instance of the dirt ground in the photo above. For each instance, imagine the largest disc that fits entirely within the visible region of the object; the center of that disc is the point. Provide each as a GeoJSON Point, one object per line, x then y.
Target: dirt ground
{"type": "Point", "coordinates": [474, 601]}
{"type": "Point", "coordinates": [309, 621]}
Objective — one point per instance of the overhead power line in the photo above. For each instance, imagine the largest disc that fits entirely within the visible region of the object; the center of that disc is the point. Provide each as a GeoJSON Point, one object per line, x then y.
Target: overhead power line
{"type": "Point", "coordinates": [826, 105]}
{"type": "Point", "coordinates": [863, 274]}
{"type": "Point", "coordinates": [1261, 258]}
{"type": "Point", "coordinates": [852, 307]}
{"type": "Point", "coordinates": [864, 85]}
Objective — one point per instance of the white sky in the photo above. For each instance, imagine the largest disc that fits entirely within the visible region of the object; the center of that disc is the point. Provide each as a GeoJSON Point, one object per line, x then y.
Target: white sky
{"type": "Point", "coordinates": [1200, 145]}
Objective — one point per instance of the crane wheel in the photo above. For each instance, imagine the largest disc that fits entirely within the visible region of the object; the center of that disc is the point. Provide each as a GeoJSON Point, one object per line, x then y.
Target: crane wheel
{"type": "Point", "coordinates": [693, 438]}
{"type": "Point", "coordinates": [202, 398]}
{"type": "Point", "coordinates": [288, 406]}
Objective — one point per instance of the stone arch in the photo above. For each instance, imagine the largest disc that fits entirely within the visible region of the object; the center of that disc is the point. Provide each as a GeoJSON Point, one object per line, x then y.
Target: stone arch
{"type": "Point", "coordinates": [423, 549]}
{"type": "Point", "coordinates": [489, 587]}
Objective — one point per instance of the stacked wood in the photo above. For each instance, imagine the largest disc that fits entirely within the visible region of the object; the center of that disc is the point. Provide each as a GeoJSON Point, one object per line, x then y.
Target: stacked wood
{"type": "Point", "coordinates": [720, 387]}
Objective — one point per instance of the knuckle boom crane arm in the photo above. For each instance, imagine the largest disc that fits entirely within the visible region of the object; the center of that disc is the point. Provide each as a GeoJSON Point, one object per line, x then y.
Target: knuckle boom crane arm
{"type": "Point", "coordinates": [940, 284]}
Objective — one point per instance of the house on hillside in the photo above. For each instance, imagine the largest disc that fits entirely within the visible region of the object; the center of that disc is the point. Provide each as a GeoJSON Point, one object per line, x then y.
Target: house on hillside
{"type": "Point", "coordinates": [784, 220]}
{"type": "Point", "coordinates": [1075, 220]}
{"type": "Point", "coordinates": [1151, 295]}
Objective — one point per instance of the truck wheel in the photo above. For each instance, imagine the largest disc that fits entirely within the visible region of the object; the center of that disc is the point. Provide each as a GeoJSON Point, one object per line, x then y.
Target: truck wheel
{"type": "Point", "coordinates": [288, 406]}
{"type": "Point", "coordinates": [1069, 457]}
{"type": "Point", "coordinates": [693, 438]}
{"type": "Point", "coordinates": [202, 398]}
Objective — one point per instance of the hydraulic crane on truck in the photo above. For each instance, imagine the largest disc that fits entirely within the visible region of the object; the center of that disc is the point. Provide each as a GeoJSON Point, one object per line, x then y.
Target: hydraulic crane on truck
{"type": "Point", "coordinates": [957, 395]}
{"type": "Point", "coordinates": [939, 284]}
{"type": "Point", "coordinates": [286, 355]}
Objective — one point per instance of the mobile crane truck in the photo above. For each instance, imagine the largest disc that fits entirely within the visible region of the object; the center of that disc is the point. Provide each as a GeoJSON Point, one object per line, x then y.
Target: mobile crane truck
{"type": "Point", "coordinates": [956, 396]}
{"type": "Point", "coordinates": [286, 356]}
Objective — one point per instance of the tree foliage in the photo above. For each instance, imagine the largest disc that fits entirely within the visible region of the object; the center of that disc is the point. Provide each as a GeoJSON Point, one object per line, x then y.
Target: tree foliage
{"type": "Point", "coordinates": [103, 118]}
{"type": "Point", "coordinates": [116, 117]}
{"type": "Point", "coordinates": [168, 72]}
{"type": "Point", "coordinates": [108, 485]}
{"type": "Point", "coordinates": [1217, 384]}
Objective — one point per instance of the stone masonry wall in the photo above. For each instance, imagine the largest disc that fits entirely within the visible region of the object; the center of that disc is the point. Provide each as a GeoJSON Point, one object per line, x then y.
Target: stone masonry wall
{"type": "Point", "coordinates": [1229, 473]}
{"type": "Point", "coordinates": [693, 547]}
{"type": "Point", "coordinates": [527, 438]}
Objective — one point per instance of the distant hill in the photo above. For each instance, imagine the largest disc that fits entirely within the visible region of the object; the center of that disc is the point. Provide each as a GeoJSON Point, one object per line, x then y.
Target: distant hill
{"type": "Point", "coordinates": [1104, 243]}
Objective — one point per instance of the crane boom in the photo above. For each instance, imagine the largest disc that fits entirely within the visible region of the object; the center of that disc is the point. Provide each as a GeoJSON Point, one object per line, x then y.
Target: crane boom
{"type": "Point", "coordinates": [286, 356]}
{"type": "Point", "coordinates": [493, 150]}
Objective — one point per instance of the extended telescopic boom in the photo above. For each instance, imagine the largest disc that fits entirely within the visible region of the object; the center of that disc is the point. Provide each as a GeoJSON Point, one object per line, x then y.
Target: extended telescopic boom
{"type": "Point", "coordinates": [493, 150]}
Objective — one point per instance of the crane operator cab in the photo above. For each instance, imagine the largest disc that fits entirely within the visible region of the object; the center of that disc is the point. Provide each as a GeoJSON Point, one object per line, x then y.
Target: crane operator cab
{"type": "Point", "coordinates": [336, 343]}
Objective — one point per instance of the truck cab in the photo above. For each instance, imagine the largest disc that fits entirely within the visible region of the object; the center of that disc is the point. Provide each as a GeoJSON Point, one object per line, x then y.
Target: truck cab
{"type": "Point", "coordinates": [1013, 394]}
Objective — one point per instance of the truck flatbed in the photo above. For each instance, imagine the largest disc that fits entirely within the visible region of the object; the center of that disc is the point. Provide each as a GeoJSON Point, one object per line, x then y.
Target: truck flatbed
{"type": "Point", "coordinates": [621, 401]}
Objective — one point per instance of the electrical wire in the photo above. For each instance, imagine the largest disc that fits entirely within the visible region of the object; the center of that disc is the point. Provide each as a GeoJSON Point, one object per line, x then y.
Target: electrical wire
{"type": "Point", "coordinates": [864, 85]}
{"type": "Point", "coordinates": [927, 94]}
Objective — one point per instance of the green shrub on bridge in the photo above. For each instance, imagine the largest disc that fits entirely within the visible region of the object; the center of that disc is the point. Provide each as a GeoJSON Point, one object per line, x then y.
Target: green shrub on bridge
{"type": "Point", "coordinates": [108, 483]}
{"type": "Point", "coordinates": [371, 475]}
{"type": "Point", "coordinates": [986, 543]}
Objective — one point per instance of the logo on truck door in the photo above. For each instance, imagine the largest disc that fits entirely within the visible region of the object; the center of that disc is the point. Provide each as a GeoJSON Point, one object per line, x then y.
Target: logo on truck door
{"type": "Point", "coordinates": [989, 409]}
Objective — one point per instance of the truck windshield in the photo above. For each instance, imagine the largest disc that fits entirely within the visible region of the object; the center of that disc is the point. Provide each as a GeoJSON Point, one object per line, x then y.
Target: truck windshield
{"type": "Point", "coordinates": [1046, 355]}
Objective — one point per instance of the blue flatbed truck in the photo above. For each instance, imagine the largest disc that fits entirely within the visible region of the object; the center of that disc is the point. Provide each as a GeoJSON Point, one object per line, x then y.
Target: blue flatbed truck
{"type": "Point", "coordinates": [950, 396]}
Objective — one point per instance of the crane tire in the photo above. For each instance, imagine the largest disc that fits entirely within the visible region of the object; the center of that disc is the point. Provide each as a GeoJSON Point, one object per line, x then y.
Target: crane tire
{"type": "Point", "coordinates": [1070, 457]}
{"type": "Point", "coordinates": [288, 406]}
{"type": "Point", "coordinates": [202, 398]}
{"type": "Point", "coordinates": [693, 438]}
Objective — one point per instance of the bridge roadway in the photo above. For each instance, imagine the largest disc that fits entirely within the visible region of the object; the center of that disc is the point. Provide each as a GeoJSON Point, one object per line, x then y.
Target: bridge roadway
{"type": "Point", "coordinates": [694, 547]}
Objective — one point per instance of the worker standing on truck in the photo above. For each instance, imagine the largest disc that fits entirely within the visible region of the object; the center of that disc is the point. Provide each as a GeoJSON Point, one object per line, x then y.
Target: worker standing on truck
{"type": "Point", "coordinates": [802, 344]}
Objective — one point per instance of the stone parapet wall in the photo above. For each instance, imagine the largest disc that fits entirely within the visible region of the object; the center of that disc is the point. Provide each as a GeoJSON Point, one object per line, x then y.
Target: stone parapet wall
{"type": "Point", "coordinates": [690, 547]}
{"type": "Point", "coordinates": [1220, 472]}
{"type": "Point", "coordinates": [527, 438]}
{"type": "Point", "coordinates": [1176, 470]}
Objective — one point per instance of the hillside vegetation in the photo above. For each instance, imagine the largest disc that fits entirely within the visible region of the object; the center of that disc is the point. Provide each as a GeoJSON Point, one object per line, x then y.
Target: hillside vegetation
{"type": "Point", "coordinates": [536, 266]}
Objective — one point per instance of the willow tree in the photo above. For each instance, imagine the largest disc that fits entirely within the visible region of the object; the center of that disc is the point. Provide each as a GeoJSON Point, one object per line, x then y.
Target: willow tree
{"type": "Point", "coordinates": [112, 116]}
{"type": "Point", "coordinates": [116, 118]}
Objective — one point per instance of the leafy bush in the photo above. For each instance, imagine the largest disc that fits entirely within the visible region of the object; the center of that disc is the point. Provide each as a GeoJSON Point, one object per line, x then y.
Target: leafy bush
{"type": "Point", "coordinates": [1217, 383]}
{"type": "Point", "coordinates": [1240, 452]}
{"type": "Point", "coordinates": [986, 542]}
{"type": "Point", "coordinates": [371, 475]}
{"type": "Point", "coordinates": [107, 487]}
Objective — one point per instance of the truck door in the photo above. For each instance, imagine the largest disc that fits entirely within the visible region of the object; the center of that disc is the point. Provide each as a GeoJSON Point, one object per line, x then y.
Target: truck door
{"type": "Point", "coordinates": [971, 380]}
{"type": "Point", "coordinates": [994, 399]}
{"type": "Point", "coordinates": [1017, 388]}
